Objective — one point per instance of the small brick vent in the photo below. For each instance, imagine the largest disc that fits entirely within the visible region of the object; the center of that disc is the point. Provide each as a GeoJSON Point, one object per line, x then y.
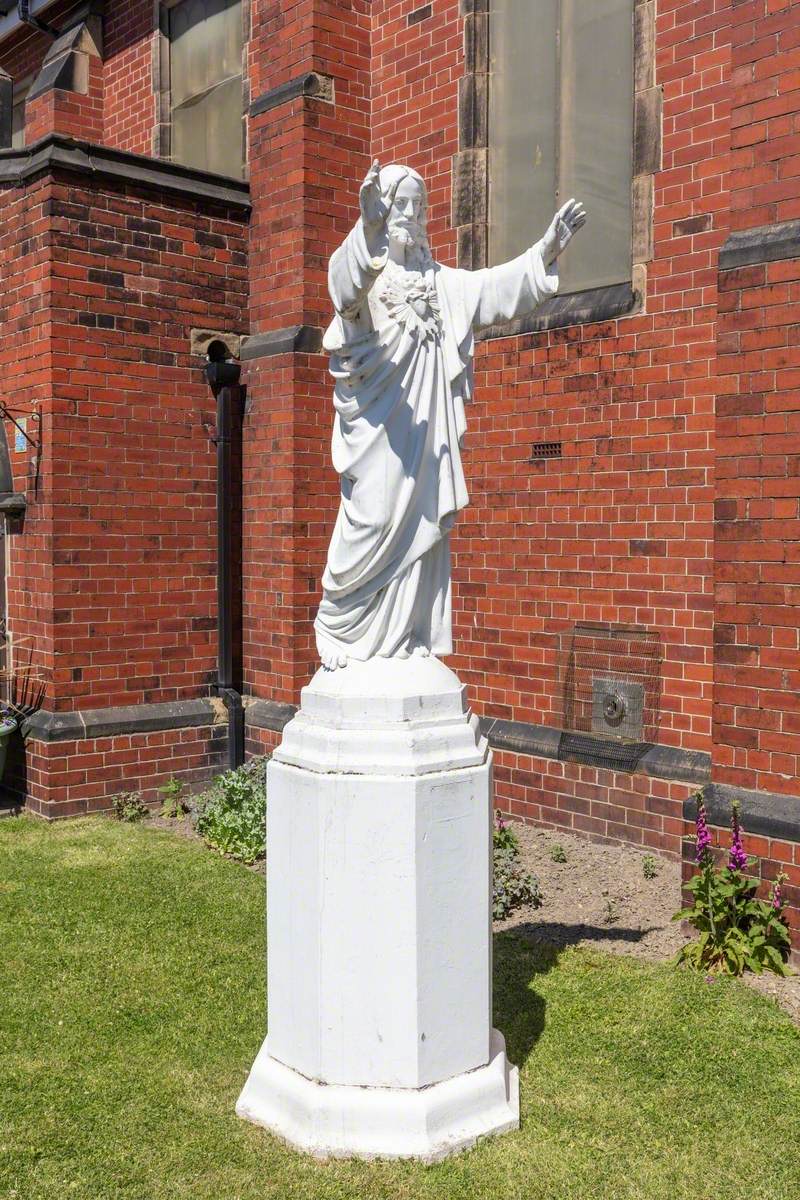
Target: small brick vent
{"type": "Point", "coordinates": [541, 450]}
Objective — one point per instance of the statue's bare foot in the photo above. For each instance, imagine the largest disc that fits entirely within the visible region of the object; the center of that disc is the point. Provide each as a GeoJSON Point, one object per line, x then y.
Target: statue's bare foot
{"type": "Point", "coordinates": [330, 656]}
{"type": "Point", "coordinates": [420, 651]}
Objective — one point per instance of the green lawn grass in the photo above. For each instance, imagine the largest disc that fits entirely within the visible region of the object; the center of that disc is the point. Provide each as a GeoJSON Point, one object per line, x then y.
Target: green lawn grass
{"type": "Point", "coordinates": [132, 1004]}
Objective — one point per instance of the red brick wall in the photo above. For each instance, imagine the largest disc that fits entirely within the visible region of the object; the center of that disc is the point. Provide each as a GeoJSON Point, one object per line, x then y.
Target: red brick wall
{"type": "Point", "coordinates": [619, 530]}
{"type": "Point", "coordinates": [74, 114]}
{"type": "Point", "coordinates": [415, 74]}
{"type": "Point", "coordinates": [605, 806]}
{"type": "Point", "coordinates": [757, 559]}
{"type": "Point", "coordinates": [125, 116]}
{"type": "Point", "coordinates": [25, 361]}
{"type": "Point", "coordinates": [757, 553]}
{"type": "Point", "coordinates": [113, 578]}
{"type": "Point", "coordinates": [133, 464]}
{"type": "Point", "coordinates": [130, 107]}
{"type": "Point", "coordinates": [765, 139]}
{"type": "Point", "coordinates": [68, 779]}
{"type": "Point", "coordinates": [304, 156]}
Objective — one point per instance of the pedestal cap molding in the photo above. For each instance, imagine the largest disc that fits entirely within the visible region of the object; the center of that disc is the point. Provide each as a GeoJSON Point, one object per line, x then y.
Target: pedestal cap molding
{"type": "Point", "coordinates": [384, 716]}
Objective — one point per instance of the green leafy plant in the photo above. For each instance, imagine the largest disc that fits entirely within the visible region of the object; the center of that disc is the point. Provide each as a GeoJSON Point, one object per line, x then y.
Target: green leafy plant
{"type": "Point", "coordinates": [649, 866]}
{"type": "Point", "coordinates": [558, 853]}
{"type": "Point", "coordinates": [503, 835]}
{"type": "Point", "coordinates": [513, 886]}
{"type": "Point", "coordinates": [737, 931]}
{"type": "Point", "coordinates": [611, 914]}
{"type": "Point", "coordinates": [129, 806]}
{"type": "Point", "coordinates": [175, 805]}
{"type": "Point", "coordinates": [231, 815]}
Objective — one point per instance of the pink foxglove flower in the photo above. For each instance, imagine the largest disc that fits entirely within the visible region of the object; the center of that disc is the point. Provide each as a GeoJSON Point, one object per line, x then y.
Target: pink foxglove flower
{"type": "Point", "coordinates": [702, 835]}
{"type": "Point", "coordinates": [738, 859]}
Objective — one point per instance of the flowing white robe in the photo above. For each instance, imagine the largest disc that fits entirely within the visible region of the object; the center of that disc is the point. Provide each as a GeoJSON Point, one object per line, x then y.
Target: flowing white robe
{"type": "Point", "coordinates": [402, 362]}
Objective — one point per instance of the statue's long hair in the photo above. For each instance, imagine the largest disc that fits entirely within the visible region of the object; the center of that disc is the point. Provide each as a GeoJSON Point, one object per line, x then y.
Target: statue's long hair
{"type": "Point", "coordinates": [418, 257]}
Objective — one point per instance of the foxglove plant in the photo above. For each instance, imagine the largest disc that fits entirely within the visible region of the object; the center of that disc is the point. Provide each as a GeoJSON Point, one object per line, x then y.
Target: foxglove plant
{"type": "Point", "coordinates": [737, 931]}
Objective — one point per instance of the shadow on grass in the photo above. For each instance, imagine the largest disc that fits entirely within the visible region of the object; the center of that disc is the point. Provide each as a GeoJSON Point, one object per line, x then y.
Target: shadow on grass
{"type": "Point", "coordinates": [519, 1010]}
{"type": "Point", "coordinates": [560, 935]}
{"type": "Point", "coordinates": [521, 956]}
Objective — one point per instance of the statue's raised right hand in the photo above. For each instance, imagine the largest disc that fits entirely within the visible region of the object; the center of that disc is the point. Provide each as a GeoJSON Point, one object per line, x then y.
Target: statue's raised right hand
{"type": "Point", "coordinates": [374, 205]}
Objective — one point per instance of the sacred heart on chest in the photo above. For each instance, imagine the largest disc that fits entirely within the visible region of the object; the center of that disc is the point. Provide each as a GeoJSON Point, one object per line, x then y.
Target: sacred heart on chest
{"type": "Point", "coordinates": [411, 300]}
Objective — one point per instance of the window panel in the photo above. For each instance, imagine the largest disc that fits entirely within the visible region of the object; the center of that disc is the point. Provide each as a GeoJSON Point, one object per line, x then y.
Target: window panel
{"type": "Point", "coordinates": [561, 125]}
{"type": "Point", "coordinates": [522, 101]}
{"type": "Point", "coordinates": [208, 132]}
{"type": "Point", "coordinates": [206, 84]}
{"type": "Point", "coordinates": [20, 95]}
{"type": "Point", "coordinates": [596, 137]}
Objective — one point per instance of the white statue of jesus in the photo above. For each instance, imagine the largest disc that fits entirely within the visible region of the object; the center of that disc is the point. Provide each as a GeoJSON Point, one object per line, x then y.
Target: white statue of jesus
{"type": "Point", "coordinates": [401, 348]}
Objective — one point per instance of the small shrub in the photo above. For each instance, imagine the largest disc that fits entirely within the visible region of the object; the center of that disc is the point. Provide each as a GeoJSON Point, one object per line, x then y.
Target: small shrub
{"type": "Point", "coordinates": [737, 931]}
{"type": "Point", "coordinates": [231, 815]}
{"type": "Point", "coordinates": [175, 804]}
{"type": "Point", "coordinates": [611, 914]}
{"type": "Point", "coordinates": [649, 866]}
{"type": "Point", "coordinates": [504, 836]}
{"type": "Point", "coordinates": [129, 806]}
{"type": "Point", "coordinates": [513, 886]}
{"type": "Point", "coordinates": [558, 853]}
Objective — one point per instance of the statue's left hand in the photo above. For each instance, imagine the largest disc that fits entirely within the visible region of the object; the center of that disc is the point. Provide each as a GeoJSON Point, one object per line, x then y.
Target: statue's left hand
{"type": "Point", "coordinates": [561, 230]}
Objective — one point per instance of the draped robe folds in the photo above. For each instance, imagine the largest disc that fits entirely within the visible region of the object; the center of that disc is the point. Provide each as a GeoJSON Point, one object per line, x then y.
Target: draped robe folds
{"type": "Point", "coordinates": [401, 348]}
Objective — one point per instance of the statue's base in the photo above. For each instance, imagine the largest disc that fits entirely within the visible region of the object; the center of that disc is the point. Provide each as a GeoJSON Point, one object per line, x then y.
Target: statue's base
{"type": "Point", "coordinates": [379, 888]}
{"type": "Point", "coordinates": [335, 1121]}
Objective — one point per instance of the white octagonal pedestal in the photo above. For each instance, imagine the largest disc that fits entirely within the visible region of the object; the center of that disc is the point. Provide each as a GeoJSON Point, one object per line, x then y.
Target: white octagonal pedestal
{"type": "Point", "coordinates": [379, 828]}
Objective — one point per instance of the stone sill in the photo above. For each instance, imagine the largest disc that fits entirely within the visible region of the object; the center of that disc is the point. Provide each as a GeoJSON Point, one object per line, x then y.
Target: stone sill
{"type": "Point", "coordinates": [578, 308]}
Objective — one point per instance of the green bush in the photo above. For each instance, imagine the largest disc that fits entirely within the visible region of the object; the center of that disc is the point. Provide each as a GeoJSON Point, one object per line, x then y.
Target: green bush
{"type": "Point", "coordinates": [558, 853]}
{"type": "Point", "coordinates": [129, 806]}
{"type": "Point", "coordinates": [176, 804]}
{"type": "Point", "coordinates": [231, 815]}
{"type": "Point", "coordinates": [649, 866]}
{"type": "Point", "coordinates": [513, 886]}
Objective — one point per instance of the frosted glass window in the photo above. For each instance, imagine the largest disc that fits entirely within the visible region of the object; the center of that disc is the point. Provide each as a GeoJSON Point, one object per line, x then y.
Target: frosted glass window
{"type": "Point", "coordinates": [561, 125]}
{"type": "Point", "coordinates": [18, 113]}
{"type": "Point", "coordinates": [206, 85]}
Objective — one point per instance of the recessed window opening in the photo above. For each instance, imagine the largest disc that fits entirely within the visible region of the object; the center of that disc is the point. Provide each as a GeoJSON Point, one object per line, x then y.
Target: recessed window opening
{"type": "Point", "coordinates": [561, 100]}
{"type": "Point", "coordinates": [20, 95]}
{"type": "Point", "coordinates": [205, 72]}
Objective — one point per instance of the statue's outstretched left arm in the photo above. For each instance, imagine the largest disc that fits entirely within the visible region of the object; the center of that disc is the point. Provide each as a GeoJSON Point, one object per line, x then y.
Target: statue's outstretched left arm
{"type": "Point", "coordinates": [516, 288]}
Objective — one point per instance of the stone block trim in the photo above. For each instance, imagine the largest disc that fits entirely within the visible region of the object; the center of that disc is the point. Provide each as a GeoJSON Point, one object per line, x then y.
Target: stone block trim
{"type": "Point", "coordinates": [767, 243]}
{"type": "Point", "coordinates": [310, 83]}
{"type": "Point", "coordinates": [46, 726]}
{"type": "Point", "coordinates": [56, 150]}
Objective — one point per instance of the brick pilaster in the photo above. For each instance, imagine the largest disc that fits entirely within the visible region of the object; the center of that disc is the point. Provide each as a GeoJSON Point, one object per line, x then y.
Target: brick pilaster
{"type": "Point", "coordinates": [308, 152]}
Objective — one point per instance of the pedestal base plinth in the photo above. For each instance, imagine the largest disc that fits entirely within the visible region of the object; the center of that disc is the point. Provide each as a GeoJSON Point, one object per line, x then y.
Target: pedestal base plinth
{"type": "Point", "coordinates": [337, 1121]}
{"type": "Point", "coordinates": [379, 891]}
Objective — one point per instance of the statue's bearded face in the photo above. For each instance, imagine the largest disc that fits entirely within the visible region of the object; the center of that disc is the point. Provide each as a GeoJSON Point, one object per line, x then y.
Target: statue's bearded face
{"type": "Point", "coordinates": [404, 216]}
